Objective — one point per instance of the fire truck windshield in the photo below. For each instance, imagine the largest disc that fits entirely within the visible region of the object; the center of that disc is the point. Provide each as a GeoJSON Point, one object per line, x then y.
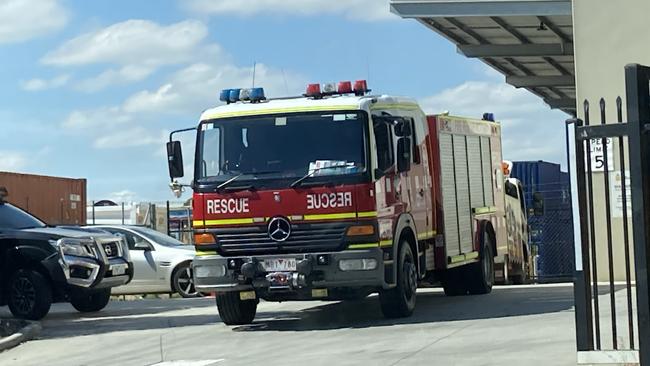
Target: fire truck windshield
{"type": "Point", "coordinates": [272, 150]}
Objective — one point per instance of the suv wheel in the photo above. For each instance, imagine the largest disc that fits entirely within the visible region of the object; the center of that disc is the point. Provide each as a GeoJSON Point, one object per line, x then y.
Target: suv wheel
{"type": "Point", "coordinates": [87, 301]}
{"type": "Point", "coordinates": [30, 295]}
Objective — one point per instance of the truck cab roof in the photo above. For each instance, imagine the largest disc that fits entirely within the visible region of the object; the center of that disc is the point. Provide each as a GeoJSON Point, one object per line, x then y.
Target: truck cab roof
{"type": "Point", "coordinates": [304, 104]}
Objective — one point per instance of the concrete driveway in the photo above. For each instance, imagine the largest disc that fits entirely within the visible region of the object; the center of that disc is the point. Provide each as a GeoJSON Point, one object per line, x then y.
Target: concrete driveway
{"type": "Point", "coordinates": [515, 325]}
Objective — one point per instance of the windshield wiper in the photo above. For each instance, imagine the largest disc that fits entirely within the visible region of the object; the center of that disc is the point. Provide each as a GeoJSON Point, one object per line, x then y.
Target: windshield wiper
{"type": "Point", "coordinates": [248, 187]}
{"type": "Point", "coordinates": [298, 181]}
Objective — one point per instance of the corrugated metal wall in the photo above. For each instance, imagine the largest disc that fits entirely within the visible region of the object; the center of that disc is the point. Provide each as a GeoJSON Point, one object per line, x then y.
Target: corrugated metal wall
{"type": "Point", "coordinates": [57, 201]}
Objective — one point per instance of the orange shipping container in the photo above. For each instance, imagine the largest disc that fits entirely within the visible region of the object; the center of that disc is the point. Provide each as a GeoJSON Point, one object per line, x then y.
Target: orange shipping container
{"type": "Point", "coordinates": [57, 201]}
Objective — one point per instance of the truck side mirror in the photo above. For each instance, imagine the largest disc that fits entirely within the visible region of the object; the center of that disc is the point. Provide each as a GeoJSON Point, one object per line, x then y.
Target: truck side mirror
{"type": "Point", "coordinates": [403, 154]}
{"type": "Point", "coordinates": [175, 159]}
{"type": "Point", "coordinates": [403, 128]}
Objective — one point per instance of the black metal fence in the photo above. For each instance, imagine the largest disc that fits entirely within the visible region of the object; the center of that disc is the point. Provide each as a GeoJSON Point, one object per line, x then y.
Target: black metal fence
{"type": "Point", "coordinates": [551, 239]}
{"type": "Point", "coordinates": [607, 317]}
{"type": "Point", "coordinates": [172, 218]}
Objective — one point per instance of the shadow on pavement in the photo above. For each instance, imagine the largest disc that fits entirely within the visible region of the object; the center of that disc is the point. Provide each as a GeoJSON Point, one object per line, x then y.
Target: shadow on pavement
{"type": "Point", "coordinates": [431, 307]}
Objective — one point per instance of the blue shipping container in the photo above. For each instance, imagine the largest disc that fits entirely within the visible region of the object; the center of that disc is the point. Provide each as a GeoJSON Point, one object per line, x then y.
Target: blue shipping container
{"type": "Point", "coordinates": [552, 228]}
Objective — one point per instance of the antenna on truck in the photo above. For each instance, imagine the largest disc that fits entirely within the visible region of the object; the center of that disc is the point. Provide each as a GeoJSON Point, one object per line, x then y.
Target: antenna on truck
{"type": "Point", "coordinates": [254, 67]}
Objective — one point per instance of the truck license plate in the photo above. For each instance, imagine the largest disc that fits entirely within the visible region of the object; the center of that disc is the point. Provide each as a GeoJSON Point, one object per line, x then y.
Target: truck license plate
{"type": "Point", "coordinates": [118, 269]}
{"type": "Point", "coordinates": [279, 264]}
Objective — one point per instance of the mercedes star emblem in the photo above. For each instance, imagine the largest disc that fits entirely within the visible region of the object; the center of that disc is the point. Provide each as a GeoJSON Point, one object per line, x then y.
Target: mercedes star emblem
{"type": "Point", "coordinates": [279, 229]}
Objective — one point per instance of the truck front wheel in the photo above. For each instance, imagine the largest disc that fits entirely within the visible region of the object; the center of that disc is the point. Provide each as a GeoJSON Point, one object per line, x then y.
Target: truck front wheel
{"type": "Point", "coordinates": [233, 310]}
{"type": "Point", "coordinates": [30, 295]}
{"type": "Point", "coordinates": [399, 301]}
{"type": "Point", "coordinates": [87, 301]}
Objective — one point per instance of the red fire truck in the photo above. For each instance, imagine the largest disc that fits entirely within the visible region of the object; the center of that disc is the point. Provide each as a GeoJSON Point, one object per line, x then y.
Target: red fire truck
{"type": "Point", "coordinates": [338, 194]}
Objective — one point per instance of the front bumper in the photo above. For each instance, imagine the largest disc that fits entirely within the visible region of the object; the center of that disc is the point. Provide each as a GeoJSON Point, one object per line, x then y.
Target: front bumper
{"type": "Point", "coordinates": [99, 271]}
{"type": "Point", "coordinates": [223, 274]}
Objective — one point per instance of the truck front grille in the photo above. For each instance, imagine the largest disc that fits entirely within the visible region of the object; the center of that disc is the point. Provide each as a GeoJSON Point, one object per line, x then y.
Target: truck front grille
{"type": "Point", "coordinates": [111, 249]}
{"type": "Point", "coordinates": [304, 238]}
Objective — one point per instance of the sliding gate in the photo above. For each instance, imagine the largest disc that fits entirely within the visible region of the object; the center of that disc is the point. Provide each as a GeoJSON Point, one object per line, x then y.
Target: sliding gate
{"type": "Point", "coordinates": [611, 176]}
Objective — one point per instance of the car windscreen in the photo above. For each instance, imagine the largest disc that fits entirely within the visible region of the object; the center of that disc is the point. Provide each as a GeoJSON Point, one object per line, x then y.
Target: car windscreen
{"type": "Point", "coordinates": [327, 144]}
{"type": "Point", "coordinates": [158, 237]}
{"type": "Point", "coordinates": [12, 217]}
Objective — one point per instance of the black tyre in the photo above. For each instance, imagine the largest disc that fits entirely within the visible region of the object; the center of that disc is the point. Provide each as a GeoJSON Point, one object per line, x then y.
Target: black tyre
{"type": "Point", "coordinates": [87, 301]}
{"type": "Point", "coordinates": [522, 276]}
{"type": "Point", "coordinates": [399, 301]}
{"type": "Point", "coordinates": [29, 295]}
{"type": "Point", "coordinates": [234, 311]}
{"type": "Point", "coordinates": [183, 281]}
{"type": "Point", "coordinates": [481, 274]}
{"type": "Point", "coordinates": [454, 283]}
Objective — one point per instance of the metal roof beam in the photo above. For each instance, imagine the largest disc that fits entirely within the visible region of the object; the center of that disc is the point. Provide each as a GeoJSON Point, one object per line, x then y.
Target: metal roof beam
{"type": "Point", "coordinates": [565, 103]}
{"type": "Point", "coordinates": [469, 31]}
{"type": "Point", "coordinates": [510, 29]}
{"type": "Point", "coordinates": [516, 50]}
{"type": "Point", "coordinates": [468, 8]}
{"type": "Point", "coordinates": [555, 29]}
{"type": "Point", "coordinates": [557, 66]}
{"type": "Point", "coordinates": [538, 81]}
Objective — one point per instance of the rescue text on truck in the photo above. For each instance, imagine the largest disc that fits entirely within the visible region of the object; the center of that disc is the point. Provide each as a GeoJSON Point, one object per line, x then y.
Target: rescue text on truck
{"type": "Point", "coordinates": [337, 194]}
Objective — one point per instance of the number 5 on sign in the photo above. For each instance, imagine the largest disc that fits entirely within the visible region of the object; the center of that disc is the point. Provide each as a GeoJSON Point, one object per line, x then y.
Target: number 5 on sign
{"type": "Point", "coordinates": [598, 155]}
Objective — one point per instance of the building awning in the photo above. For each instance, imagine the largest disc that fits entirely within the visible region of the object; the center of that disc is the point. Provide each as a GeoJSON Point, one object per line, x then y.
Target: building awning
{"type": "Point", "coordinates": [529, 41]}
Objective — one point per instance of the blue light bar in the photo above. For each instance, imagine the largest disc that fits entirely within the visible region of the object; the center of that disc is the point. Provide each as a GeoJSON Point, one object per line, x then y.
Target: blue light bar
{"type": "Point", "coordinates": [488, 117]}
{"type": "Point", "coordinates": [256, 94]}
{"type": "Point", "coordinates": [225, 94]}
{"type": "Point", "coordinates": [234, 95]}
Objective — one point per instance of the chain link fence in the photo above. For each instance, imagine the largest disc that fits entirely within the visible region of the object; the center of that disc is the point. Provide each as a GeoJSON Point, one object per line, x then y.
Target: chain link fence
{"type": "Point", "coordinates": [551, 231]}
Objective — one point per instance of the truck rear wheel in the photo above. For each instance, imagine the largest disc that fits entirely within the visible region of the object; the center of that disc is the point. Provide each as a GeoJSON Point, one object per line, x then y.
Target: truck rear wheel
{"type": "Point", "coordinates": [234, 311]}
{"type": "Point", "coordinates": [454, 282]}
{"type": "Point", "coordinates": [522, 276]}
{"type": "Point", "coordinates": [30, 295]}
{"type": "Point", "coordinates": [87, 301]}
{"type": "Point", "coordinates": [481, 274]}
{"type": "Point", "coordinates": [399, 302]}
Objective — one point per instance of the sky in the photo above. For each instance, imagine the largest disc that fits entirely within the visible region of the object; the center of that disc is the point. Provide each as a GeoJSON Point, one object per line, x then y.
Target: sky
{"type": "Point", "coordinates": [91, 89]}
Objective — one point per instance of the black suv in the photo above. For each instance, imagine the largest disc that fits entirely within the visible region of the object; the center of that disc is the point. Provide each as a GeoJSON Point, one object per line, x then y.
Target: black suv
{"type": "Point", "coordinates": [41, 264]}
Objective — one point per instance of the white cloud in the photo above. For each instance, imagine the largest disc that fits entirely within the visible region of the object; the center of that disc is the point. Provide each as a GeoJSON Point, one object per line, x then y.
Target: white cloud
{"type": "Point", "coordinates": [530, 129]}
{"type": "Point", "coordinates": [123, 196]}
{"type": "Point", "coordinates": [137, 47]}
{"type": "Point", "coordinates": [12, 161]}
{"type": "Point", "coordinates": [369, 10]}
{"type": "Point", "coordinates": [124, 75]}
{"type": "Point", "coordinates": [187, 92]}
{"type": "Point", "coordinates": [109, 116]}
{"type": "Point", "coordinates": [22, 20]}
{"type": "Point", "coordinates": [132, 42]}
{"type": "Point", "coordinates": [38, 84]}
{"type": "Point", "coordinates": [130, 137]}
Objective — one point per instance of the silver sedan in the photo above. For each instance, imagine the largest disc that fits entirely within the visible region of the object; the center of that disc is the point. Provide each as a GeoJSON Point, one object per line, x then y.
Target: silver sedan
{"type": "Point", "coordinates": [161, 263]}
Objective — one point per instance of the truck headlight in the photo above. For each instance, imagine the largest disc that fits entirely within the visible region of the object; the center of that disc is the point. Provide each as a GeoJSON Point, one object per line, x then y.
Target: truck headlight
{"type": "Point", "coordinates": [209, 271]}
{"type": "Point", "coordinates": [73, 248]}
{"type": "Point", "coordinates": [364, 264]}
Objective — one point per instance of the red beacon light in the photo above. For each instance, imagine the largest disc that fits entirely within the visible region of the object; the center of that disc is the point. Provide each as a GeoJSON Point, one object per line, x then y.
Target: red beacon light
{"type": "Point", "coordinates": [360, 87]}
{"type": "Point", "coordinates": [313, 90]}
{"type": "Point", "coordinates": [345, 87]}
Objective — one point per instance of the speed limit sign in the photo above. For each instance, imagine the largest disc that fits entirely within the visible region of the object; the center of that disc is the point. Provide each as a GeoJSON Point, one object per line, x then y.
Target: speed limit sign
{"type": "Point", "coordinates": [598, 155]}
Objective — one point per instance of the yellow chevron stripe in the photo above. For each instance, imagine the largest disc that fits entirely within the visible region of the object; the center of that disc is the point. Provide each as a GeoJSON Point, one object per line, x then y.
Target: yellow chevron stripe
{"type": "Point", "coordinates": [363, 246]}
{"type": "Point", "coordinates": [334, 216]}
